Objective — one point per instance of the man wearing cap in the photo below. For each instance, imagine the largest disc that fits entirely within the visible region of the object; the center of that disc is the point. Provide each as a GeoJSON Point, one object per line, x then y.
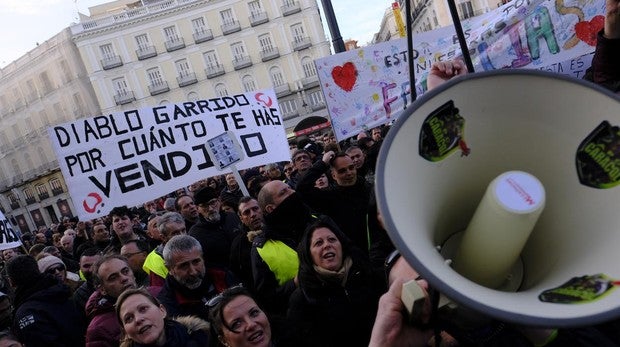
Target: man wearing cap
{"type": "Point", "coordinates": [215, 229]}
{"type": "Point", "coordinates": [45, 315]}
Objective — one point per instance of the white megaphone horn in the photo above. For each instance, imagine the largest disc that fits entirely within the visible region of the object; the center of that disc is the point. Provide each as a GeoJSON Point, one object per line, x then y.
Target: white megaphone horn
{"type": "Point", "coordinates": [544, 140]}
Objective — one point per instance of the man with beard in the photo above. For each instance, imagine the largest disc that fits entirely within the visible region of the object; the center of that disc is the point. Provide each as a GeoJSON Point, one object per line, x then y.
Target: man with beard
{"type": "Point", "coordinates": [190, 284]}
{"type": "Point", "coordinates": [215, 229]}
{"type": "Point", "coordinates": [273, 255]}
{"type": "Point", "coordinates": [45, 316]}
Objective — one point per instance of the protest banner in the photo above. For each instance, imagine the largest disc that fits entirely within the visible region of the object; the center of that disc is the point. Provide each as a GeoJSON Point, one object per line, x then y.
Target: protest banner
{"type": "Point", "coordinates": [9, 237]}
{"type": "Point", "coordinates": [130, 157]}
{"type": "Point", "coordinates": [369, 86]}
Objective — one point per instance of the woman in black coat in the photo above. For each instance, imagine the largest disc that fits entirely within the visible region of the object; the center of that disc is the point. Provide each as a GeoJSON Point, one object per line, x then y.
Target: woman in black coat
{"type": "Point", "coordinates": [336, 301]}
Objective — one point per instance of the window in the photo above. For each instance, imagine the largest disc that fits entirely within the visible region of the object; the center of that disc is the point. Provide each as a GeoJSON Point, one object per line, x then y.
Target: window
{"type": "Point", "coordinates": [308, 66]}
{"type": "Point", "coordinates": [66, 71]}
{"type": "Point", "coordinates": [143, 43]}
{"type": "Point", "coordinates": [255, 8]}
{"type": "Point", "coordinates": [78, 105]}
{"type": "Point", "coordinates": [316, 98]}
{"type": "Point", "coordinates": [211, 60]}
{"type": "Point", "coordinates": [288, 106]}
{"type": "Point", "coordinates": [120, 86]}
{"type": "Point", "coordinates": [44, 119]}
{"type": "Point", "coordinates": [199, 25]}
{"type": "Point", "coordinates": [47, 83]}
{"type": "Point", "coordinates": [466, 9]}
{"type": "Point", "coordinates": [220, 90]}
{"type": "Point", "coordinates": [56, 186]}
{"type": "Point", "coordinates": [298, 32]}
{"type": "Point", "coordinates": [238, 51]}
{"type": "Point", "coordinates": [59, 111]}
{"type": "Point", "coordinates": [154, 76]}
{"type": "Point", "coordinates": [248, 83]}
{"type": "Point", "coordinates": [183, 67]}
{"type": "Point", "coordinates": [171, 33]}
{"type": "Point", "coordinates": [42, 191]}
{"type": "Point", "coordinates": [107, 52]}
{"type": "Point", "coordinates": [227, 17]}
{"type": "Point", "coordinates": [276, 76]}
{"type": "Point", "coordinates": [265, 43]}
{"type": "Point", "coordinates": [32, 90]}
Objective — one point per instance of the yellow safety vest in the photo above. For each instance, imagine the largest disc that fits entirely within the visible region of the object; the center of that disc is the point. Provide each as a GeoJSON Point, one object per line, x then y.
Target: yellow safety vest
{"type": "Point", "coordinates": [154, 262]}
{"type": "Point", "coordinates": [281, 259]}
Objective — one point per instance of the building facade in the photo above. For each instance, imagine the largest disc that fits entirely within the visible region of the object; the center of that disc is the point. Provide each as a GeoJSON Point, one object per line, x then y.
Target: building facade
{"type": "Point", "coordinates": [142, 54]}
{"type": "Point", "coordinates": [46, 86]}
{"type": "Point", "coordinates": [133, 54]}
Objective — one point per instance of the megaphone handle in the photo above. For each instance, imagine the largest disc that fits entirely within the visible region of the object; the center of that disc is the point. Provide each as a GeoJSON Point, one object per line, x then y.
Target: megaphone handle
{"type": "Point", "coordinates": [414, 298]}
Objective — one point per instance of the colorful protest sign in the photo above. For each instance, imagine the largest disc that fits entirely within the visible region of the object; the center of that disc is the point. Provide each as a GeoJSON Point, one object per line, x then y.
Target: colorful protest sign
{"type": "Point", "coordinates": [367, 87]}
{"type": "Point", "coordinates": [8, 235]}
{"type": "Point", "coordinates": [130, 157]}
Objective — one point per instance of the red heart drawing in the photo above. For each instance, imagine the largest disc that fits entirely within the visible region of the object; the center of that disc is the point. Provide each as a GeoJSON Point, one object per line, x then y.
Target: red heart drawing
{"type": "Point", "coordinates": [345, 76]}
{"type": "Point", "coordinates": [586, 31]}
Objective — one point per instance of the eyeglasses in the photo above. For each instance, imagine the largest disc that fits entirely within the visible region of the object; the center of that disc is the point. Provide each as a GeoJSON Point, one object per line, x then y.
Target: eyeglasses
{"type": "Point", "coordinates": [301, 157]}
{"type": "Point", "coordinates": [53, 270]}
{"type": "Point", "coordinates": [218, 298]}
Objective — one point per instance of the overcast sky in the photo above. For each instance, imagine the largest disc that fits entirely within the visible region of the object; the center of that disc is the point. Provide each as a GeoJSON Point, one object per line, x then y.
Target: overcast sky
{"type": "Point", "coordinates": [23, 23]}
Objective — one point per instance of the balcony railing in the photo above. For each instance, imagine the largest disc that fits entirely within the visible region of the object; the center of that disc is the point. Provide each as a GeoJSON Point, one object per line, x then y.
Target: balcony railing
{"type": "Point", "coordinates": [30, 200]}
{"type": "Point", "coordinates": [15, 205]}
{"type": "Point", "coordinates": [310, 82]}
{"type": "Point", "coordinates": [258, 18]}
{"type": "Point", "coordinates": [269, 54]}
{"type": "Point", "coordinates": [146, 52]}
{"type": "Point", "coordinates": [44, 195]}
{"type": "Point", "coordinates": [317, 106]}
{"type": "Point", "coordinates": [241, 62]}
{"type": "Point", "coordinates": [290, 115]}
{"type": "Point", "coordinates": [282, 90]}
{"type": "Point", "coordinates": [231, 27]}
{"type": "Point", "coordinates": [203, 35]}
{"type": "Point", "coordinates": [214, 71]}
{"type": "Point", "coordinates": [18, 142]}
{"type": "Point", "coordinates": [158, 88]}
{"type": "Point", "coordinates": [187, 79]}
{"type": "Point", "coordinates": [290, 7]}
{"type": "Point", "coordinates": [301, 43]}
{"type": "Point", "coordinates": [111, 62]}
{"type": "Point", "coordinates": [175, 44]}
{"type": "Point", "coordinates": [125, 97]}
{"type": "Point", "coordinates": [57, 191]}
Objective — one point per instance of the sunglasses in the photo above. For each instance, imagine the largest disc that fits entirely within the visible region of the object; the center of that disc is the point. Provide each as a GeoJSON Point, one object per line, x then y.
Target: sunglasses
{"type": "Point", "coordinates": [53, 270]}
{"type": "Point", "coordinates": [218, 298]}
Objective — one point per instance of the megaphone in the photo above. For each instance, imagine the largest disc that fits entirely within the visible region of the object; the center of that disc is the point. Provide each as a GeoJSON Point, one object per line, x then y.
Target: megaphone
{"type": "Point", "coordinates": [440, 156]}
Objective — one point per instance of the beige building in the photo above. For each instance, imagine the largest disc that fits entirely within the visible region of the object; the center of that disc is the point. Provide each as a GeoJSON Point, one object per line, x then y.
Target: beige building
{"type": "Point", "coordinates": [145, 53]}
{"type": "Point", "coordinates": [431, 14]}
{"type": "Point", "coordinates": [46, 86]}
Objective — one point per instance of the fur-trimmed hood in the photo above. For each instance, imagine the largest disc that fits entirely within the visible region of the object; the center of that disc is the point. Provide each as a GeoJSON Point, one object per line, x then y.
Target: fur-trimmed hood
{"type": "Point", "coordinates": [194, 331]}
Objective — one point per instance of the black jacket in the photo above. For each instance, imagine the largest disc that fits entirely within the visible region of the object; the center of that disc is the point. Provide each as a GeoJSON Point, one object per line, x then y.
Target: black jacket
{"type": "Point", "coordinates": [327, 314]}
{"type": "Point", "coordinates": [216, 238]}
{"type": "Point", "coordinates": [347, 206]}
{"type": "Point", "coordinates": [46, 316]}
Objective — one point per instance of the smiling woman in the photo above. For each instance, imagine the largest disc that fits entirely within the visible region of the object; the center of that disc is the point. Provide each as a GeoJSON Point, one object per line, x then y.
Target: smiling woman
{"type": "Point", "coordinates": [338, 292]}
{"type": "Point", "coordinates": [145, 323]}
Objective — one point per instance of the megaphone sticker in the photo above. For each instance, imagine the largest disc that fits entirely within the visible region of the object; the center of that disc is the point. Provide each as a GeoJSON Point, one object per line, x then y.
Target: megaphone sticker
{"type": "Point", "coordinates": [442, 133]}
{"type": "Point", "coordinates": [580, 290]}
{"type": "Point", "coordinates": [598, 157]}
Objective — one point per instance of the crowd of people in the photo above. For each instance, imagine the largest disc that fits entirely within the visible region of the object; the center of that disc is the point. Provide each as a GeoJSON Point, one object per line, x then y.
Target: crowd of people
{"type": "Point", "coordinates": [303, 260]}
